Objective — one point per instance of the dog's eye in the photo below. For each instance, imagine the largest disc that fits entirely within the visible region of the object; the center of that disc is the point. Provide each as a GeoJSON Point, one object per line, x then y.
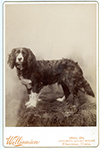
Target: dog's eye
{"type": "Point", "coordinates": [24, 53]}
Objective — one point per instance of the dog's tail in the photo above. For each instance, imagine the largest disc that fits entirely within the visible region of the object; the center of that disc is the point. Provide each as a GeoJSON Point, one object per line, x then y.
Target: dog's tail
{"type": "Point", "coordinates": [87, 88]}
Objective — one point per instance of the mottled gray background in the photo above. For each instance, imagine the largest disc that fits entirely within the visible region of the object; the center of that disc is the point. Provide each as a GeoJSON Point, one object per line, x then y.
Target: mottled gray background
{"type": "Point", "coordinates": [51, 31]}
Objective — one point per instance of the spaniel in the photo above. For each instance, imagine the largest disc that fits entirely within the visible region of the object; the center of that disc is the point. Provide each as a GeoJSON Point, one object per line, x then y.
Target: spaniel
{"type": "Point", "coordinates": [35, 74]}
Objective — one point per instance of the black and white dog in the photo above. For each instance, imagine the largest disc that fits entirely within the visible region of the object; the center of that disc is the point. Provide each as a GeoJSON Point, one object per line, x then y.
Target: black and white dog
{"type": "Point", "coordinates": [35, 74]}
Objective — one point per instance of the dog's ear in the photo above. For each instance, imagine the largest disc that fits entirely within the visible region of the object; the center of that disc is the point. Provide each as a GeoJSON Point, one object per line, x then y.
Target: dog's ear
{"type": "Point", "coordinates": [12, 58]}
{"type": "Point", "coordinates": [31, 59]}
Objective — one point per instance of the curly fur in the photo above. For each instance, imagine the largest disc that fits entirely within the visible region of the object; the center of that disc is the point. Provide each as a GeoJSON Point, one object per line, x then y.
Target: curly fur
{"type": "Point", "coordinates": [12, 58]}
{"type": "Point", "coordinates": [44, 72]}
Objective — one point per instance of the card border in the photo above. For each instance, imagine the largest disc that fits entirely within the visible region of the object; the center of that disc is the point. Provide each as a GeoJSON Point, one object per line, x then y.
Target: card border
{"type": "Point", "coordinates": [97, 70]}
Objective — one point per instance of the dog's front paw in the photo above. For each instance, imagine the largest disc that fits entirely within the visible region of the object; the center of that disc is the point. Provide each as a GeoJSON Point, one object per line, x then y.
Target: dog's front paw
{"type": "Point", "coordinates": [33, 99]}
{"type": "Point", "coordinates": [31, 104]}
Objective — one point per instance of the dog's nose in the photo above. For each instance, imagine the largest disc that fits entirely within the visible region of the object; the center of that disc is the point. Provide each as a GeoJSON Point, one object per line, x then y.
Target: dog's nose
{"type": "Point", "coordinates": [19, 59]}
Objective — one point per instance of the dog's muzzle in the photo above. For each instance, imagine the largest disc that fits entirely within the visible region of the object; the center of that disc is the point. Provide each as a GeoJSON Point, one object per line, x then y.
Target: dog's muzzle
{"type": "Point", "coordinates": [19, 59]}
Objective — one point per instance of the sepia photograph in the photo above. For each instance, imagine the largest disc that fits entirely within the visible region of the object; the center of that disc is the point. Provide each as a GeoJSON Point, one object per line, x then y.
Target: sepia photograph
{"type": "Point", "coordinates": [50, 64]}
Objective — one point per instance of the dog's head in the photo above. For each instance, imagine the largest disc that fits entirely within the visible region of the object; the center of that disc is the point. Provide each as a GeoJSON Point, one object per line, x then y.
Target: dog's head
{"type": "Point", "coordinates": [20, 57]}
